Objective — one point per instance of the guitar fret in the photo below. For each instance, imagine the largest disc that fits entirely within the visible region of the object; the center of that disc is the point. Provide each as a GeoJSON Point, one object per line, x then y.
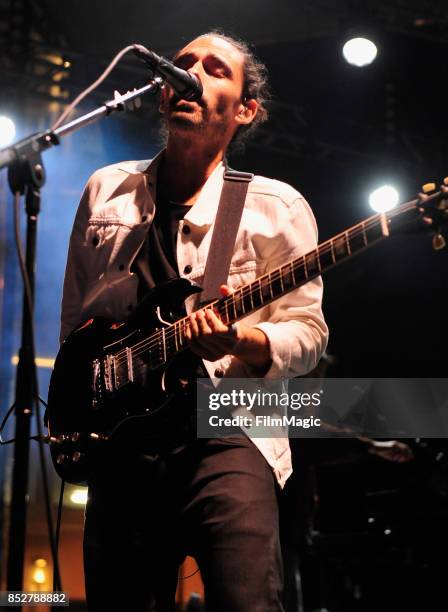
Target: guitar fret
{"type": "Point", "coordinates": [256, 294]}
{"type": "Point", "coordinates": [325, 257]}
{"type": "Point", "coordinates": [304, 267]}
{"type": "Point", "coordinates": [333, 255]}
{"type": "Point", "coordinates": [265, 289]}
{"type": "Point", "coordinates": [357, 238]}
{"type": "Point", "coordinates": [312, 264]}
{"type": "Point", "coordinates": [238, 304]}
{"type": "Point", "coordinates": [260, 292]}
{"type": "Point", "coordinates": [282, 288]}
{"type": "Point", "coordinates": [161, 345]}
{"type": "Point", "coordinates": [235, 315]}
{"type": "Point", "coordinates": [276, 283]}
{"type": "Point", "coordinates": [349, 250]}
{"type": "Point", "coordinates": [374, 232]}
{"type": "Point", "coordinates": [246, 301]}
{"type": "Point", "coordinates": [287, 278]}
{"type": "Point", "coordinates": [364, 233]}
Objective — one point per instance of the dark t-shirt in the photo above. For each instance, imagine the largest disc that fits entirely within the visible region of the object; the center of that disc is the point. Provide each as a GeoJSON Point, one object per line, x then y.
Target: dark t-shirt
{"type": "Point", "coordinates": [156, 261]}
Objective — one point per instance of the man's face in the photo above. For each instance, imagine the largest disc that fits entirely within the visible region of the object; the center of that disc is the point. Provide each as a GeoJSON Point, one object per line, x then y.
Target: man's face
{"type": "Point", "coordinates": [219, 67]}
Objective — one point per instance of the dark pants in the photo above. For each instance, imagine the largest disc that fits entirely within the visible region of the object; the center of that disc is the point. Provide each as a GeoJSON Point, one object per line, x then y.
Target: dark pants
{"type": "Point", "coordinates": [215, 500]}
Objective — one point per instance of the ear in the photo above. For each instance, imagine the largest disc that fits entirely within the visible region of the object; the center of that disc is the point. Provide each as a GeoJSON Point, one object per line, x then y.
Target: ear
{"type": "Point", "coordinates": [246, 111]}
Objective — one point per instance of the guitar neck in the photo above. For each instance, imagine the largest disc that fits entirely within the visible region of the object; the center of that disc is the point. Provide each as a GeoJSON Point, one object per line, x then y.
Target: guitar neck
{"type": "Point", "coordinates": [269, 287]}
{"type": "Point", "coordinates": [298, 272]}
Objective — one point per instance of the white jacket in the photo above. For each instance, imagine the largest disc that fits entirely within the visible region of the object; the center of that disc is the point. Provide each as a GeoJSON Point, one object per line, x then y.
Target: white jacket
{"type": "Point", "coordinates": [277, 225]}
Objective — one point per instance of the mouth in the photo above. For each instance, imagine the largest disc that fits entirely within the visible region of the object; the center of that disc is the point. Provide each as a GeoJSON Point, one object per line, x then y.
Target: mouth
{"type": "Point", "coordinates": [179, 104]}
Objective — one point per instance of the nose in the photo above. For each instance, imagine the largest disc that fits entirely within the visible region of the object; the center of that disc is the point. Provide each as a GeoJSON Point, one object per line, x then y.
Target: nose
{"type": "Point", "coordinates": [194, 72]}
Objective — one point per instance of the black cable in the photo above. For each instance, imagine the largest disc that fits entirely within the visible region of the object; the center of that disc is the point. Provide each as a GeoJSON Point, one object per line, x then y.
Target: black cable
{"type": "Point", "coordinates": [58, 528]}
{"type": "Point", "coordinates": [91, 87]}
{"type": "Point", "coordinates": [5, 418]}
{"type": "Point", "coordinates": [43, 466]}
{"type": "Point", "coordinates": [29, 302]}
{"type": "Point", "coordinates": [190, 575]}
{"type": "Point", "coordinates": [2, 426]}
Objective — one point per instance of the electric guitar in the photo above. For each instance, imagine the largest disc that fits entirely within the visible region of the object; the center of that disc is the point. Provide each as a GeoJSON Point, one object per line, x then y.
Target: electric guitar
{"type": "Point", "coordinates": [123, 380]}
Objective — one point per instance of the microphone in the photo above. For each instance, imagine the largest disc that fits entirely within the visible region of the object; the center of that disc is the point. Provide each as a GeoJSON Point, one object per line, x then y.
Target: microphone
{"type": "Point", "coordinates": [186, 85]}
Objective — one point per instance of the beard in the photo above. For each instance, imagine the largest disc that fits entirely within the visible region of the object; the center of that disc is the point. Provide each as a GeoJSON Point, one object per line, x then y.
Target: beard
{"type": "Point", "coordinates": [187, 115]}
{"type": "Point", "coordinates": [183, 117]}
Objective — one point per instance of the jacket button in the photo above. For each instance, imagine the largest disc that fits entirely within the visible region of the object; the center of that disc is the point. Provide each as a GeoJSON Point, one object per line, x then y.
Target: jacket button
{"type": "Point", "coordinates": [186, 229]}
{"type": "Point", "coordinates": [187, 269]}
{"type": "Point", "coordinates": [219, 373]}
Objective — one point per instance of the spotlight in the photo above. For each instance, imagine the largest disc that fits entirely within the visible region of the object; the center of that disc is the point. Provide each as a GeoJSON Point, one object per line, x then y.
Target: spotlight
{"type": "Point", "coordinates": [79, 497]}
{"type": "Point", "coordinates": [7, 131]}
{"type": "Point", "coordinates": [359, 52]}
{"type": "Point", "coordinates": [384, 198]}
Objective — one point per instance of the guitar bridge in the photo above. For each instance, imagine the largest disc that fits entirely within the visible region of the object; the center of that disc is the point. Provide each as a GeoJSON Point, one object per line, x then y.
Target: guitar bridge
{"type": "Point", "coordinates": [97, 385]}
{"type": "Point", "coordinates": [109, 374]}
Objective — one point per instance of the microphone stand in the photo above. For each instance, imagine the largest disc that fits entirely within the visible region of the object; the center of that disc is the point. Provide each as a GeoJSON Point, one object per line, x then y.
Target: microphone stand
{"type": "Point", "coordinates": [26, 175]}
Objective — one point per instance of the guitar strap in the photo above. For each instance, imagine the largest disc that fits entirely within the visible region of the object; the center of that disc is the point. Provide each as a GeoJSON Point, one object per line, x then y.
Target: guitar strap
{"type": "Point", "coordinates": [227, 222]}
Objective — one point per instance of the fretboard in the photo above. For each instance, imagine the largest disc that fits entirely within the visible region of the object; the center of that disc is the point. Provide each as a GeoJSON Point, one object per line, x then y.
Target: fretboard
{"type": "Point", "coordinates": [164, 344]}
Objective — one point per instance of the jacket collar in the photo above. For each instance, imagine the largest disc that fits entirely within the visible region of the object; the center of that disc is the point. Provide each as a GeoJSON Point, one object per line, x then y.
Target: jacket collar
{"type": "Point", "coordinates": [204, 210]}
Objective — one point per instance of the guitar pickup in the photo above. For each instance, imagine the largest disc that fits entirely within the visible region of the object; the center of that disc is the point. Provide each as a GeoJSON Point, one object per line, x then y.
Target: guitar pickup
{"type": "Point", "coordinates": [120, 369]}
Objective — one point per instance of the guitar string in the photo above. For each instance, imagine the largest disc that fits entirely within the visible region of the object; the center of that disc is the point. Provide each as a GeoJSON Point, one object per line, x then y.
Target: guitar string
{"type": "Point", "coordinates": [248, 290]}
{"type": "Point", "coordinates": [294, 266]}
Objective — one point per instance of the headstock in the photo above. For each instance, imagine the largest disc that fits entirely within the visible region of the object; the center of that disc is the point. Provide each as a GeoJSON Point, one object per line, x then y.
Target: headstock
{"type": "Point", "coordinates": [433, 207]}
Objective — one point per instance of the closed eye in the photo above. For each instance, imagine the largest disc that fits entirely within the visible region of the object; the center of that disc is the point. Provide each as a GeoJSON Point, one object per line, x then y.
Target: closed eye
{"type": "Point", "coordinates": [213, 65]}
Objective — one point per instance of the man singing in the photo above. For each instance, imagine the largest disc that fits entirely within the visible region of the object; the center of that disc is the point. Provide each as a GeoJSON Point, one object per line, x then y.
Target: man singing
{"type": "Point", "coordinates": [138, 225]}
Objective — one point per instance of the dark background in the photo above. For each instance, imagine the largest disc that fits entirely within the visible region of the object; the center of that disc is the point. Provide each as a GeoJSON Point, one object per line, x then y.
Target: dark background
{"type": "Point", "coordinates": [336, 133]}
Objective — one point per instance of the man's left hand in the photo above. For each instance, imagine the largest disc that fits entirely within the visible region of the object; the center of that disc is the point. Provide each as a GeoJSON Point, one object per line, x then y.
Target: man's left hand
{"type": "Point", "coordinates": [209, 338]}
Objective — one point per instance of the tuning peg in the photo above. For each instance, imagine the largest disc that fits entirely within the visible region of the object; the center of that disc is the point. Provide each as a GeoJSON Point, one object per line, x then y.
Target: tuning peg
{"type": "Point", "coordinates": [428, 187]}
{"type": "Point", "coordinates": [438, 242]}
{"type": "Point", "coordinates": [98, 436]}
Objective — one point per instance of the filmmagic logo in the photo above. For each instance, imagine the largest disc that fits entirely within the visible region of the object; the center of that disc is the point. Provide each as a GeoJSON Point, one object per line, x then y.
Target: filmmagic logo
{"type": "Point", "coordinates": [263, 399]}
{"type": "Point", "coordinates": [263, 421]}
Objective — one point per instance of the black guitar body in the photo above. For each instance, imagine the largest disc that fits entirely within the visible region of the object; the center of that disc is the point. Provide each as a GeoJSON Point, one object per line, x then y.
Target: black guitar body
{"type": "Point", "coordinates": [96, 398]}
{"type": "Point", "coordinates": [133, 380]}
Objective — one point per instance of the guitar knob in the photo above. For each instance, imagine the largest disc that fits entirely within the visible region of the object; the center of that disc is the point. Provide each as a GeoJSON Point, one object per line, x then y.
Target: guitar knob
{"type": "Point", "coordinates": [428, 187]}
{"type": "Point", "coordinates": [96, 436]}
{"type": "Point", "coordinates": [438, 242]}
{"type": "Point", "coordinates": [77, 456]}
{"type": "Point", "coordinates": [61, 458]}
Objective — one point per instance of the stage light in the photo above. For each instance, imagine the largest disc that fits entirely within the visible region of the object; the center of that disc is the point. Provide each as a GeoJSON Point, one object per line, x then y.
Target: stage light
{"type": "Point", "coordinates": [7, 131]}
{"type": "Point", "coordinates": [39, 574]}
{"type": "Point", "coordinates": [359, 52]}
{"type": "Point", "coordinates": [79, 497]}
{"type": "Point", "coordinates": [384, 198]}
